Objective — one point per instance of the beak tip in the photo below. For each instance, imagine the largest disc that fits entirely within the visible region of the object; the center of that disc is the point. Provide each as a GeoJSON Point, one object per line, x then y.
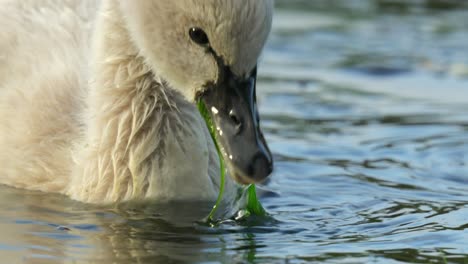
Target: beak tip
{"type": "Point", "coordinates": [260, 168]}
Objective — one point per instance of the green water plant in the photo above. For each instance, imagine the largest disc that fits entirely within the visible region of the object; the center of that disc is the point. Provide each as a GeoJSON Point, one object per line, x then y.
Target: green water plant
{"type": "Point", "coordinates": [253, 207]}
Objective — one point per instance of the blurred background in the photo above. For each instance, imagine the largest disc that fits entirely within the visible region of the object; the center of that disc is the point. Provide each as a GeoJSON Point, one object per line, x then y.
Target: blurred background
{"type": "Point", "coordinates": [374, 37]}
{"type": "Point", "coordinates": [364, 104]}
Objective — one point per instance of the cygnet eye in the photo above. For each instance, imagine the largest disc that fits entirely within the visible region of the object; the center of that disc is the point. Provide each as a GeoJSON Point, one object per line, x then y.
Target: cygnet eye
{"type": "Point", "coordinates": [199, 36]}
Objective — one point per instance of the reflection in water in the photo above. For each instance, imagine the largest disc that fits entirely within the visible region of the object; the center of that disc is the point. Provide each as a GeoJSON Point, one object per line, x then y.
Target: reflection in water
{"type": "Point", "coordinates": [47, 228]}
{"type": "Point", "coordinates": [52, 229]}
{"type": "Point", "coordinates": [364, 106]}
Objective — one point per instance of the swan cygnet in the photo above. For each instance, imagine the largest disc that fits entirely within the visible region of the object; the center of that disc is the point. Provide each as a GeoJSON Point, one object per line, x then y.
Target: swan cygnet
{"type": "Point", "coordinates": [98, 99]}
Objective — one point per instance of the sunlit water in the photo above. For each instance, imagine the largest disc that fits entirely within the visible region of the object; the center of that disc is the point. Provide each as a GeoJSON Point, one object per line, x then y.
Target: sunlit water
{"type": "Point", "coordinates": [365, 107]}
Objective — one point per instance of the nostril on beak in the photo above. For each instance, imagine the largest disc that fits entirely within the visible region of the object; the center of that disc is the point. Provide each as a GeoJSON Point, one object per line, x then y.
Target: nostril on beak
{"type": "Point", "coordinates": [236, 121]}
{"type": "Point", "coordinates": [261, 167]}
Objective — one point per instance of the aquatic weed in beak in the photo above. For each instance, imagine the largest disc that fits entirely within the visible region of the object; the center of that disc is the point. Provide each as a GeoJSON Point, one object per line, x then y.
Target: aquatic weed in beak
{"type": "Point", "coordinates": [253, 207]}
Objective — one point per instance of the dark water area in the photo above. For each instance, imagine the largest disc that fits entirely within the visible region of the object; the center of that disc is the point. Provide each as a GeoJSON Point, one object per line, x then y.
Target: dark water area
{"type": "Point", "coordinates": [365, 107]}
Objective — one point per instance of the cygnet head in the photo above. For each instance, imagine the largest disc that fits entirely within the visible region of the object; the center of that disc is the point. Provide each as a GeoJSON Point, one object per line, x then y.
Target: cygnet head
{"type": "Point", "coordinates": [208, 50]}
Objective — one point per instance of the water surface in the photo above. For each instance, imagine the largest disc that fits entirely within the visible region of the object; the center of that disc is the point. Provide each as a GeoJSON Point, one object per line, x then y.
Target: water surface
{"type": "Point", "coordinates": [365, 106]}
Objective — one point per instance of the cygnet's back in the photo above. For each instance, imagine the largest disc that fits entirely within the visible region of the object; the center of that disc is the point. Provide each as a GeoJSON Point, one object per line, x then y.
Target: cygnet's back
{"type": "Point", "coordinates": [44, 49]}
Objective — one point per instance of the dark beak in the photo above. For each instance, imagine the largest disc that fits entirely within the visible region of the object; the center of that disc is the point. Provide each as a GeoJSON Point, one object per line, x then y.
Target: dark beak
{"type": "Point", "coordinates": [233, 109]}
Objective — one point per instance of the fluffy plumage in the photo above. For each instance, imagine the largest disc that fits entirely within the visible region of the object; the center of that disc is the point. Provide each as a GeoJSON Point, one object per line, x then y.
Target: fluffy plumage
{"type": "Point", "coordinates": [97, 97]}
